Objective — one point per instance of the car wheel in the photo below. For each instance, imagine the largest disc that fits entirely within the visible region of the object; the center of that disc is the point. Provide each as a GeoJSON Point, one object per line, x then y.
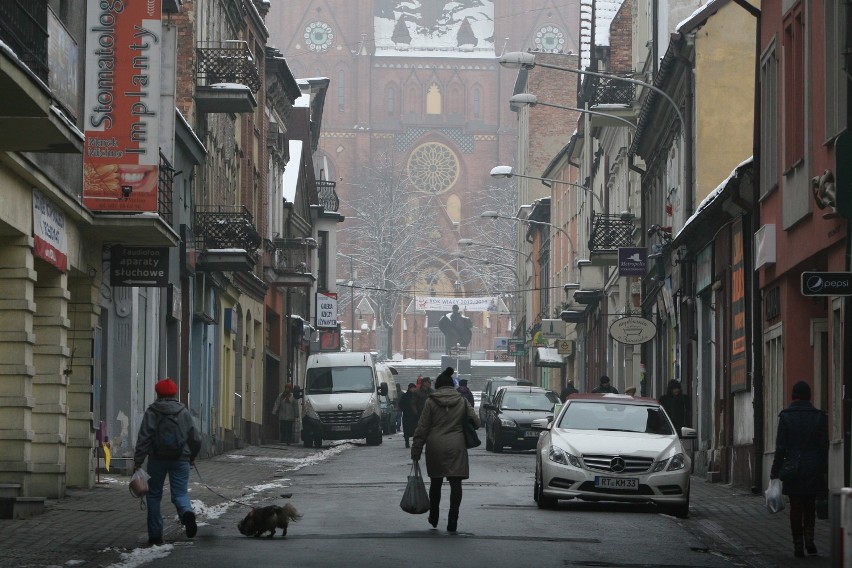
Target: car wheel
{"type": "Point", "coordinates": [374, 439]}
{"type": "Point", "coordinates": [307, 442]}
{"type": "Point", "coordinates": [498, 444]}
{"type": "Point", "coordinates": [318, 442]}
{"type": "Point", "coordinates": [544, 502]}
{"type": "Point", "coordinates": [385, 427]}
{"type": "Point", "coordinates": [681, 510]}
{"type": "Point", "coordinates": [489, 445]}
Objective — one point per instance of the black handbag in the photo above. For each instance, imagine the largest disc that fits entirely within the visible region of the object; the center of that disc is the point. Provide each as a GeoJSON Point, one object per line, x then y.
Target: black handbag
{"type": "Point", "coordinates": [789, 470]}
{"type": "Point", "coordinates": [471, 439]}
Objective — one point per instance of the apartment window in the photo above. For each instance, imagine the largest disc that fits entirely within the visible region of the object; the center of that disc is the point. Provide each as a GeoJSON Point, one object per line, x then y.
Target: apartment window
{"type": "Point", "coordinates": [835, 76]}
{"type": "Point", "coordinates": [769, 121]}
{"type": "Point", "coordinates": [322, 260]}
{"type": "Point", "coordinates": [341, 91]}
{"type": "Point", "coordinates": [773, 369]}
{"type": "Point", "coordinates": [794, 87]}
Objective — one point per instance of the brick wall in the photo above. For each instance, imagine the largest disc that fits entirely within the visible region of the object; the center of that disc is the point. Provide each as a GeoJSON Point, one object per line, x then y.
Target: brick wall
{"type": "Point", "coordinates": [621, 38]}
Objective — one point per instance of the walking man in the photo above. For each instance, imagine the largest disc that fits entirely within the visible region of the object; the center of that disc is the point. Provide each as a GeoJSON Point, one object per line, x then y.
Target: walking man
{"type": "Point", "coordinates": [287, 409]}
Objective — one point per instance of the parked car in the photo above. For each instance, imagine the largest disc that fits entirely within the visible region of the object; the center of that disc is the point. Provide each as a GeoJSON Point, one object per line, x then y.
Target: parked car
{"type": "Point", "coordinates": [611, 447]}
{"type": "Point", "coordinates": [490, 390]}
{"type": "Point", "coordinates": [477, 399]}
{"type": "Point", "coordinates": [509, 418]}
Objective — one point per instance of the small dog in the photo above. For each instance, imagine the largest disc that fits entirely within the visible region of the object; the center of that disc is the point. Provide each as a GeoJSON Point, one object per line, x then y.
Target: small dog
{"type": "Point", "coordinates": [267, 519]}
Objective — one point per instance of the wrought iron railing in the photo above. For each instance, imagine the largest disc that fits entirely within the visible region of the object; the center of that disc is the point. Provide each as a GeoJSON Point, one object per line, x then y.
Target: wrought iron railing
{"type": "Point", "coordinates": [327, 197]}
{"type": "Point", "coordinates": [165, 190]}
{"type": "Point", "coordinates": [226, 62]}
{"type": "Point", "coordinates": [23, 27]}
{"type": "Point", "coordinates": [291, 256]}
{"type": "Point", "coordinates": [225, 227]}
{"type": "Point", "coordinates": [609, 232]}
{"type": "Point", "coordinates": [606, 91]}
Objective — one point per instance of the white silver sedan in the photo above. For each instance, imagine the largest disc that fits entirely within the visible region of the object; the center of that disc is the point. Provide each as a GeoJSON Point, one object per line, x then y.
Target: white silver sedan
{"type": "Point", "coordinates": [608, 447]}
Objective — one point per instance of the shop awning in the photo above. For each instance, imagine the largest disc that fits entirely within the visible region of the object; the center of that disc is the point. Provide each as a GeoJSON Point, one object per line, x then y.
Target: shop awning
{"type": "Point", "coordinates": [548, 357]}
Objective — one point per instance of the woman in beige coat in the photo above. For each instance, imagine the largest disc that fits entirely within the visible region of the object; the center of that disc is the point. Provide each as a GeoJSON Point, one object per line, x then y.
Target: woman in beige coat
{"type": "Point", "coordinates": [440, 430]}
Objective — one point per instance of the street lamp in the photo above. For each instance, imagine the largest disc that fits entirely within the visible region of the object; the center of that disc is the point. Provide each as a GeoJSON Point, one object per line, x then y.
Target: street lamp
{"type": "Point", "coordinates": [527, 99]}
{"type": "Point", "coordinates": [461, 255]}
{"type": "Point", "coordinates": [472, 243]}
{"type": "Point", "coordinates": [524, 60]}
{"type": "Point", "coordinates": [509, 172]}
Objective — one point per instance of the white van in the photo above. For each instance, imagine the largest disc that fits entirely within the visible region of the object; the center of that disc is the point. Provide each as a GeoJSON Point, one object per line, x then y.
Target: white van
{"type": "Point", "coordinates": [341, 399]}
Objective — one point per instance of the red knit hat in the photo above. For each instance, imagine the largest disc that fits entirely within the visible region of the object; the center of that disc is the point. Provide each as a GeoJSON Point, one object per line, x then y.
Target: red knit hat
{"type": "Point", "coordinates": [166, 387]}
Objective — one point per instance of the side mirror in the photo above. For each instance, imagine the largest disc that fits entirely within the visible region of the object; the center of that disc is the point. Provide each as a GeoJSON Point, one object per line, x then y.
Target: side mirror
{"type": "Point", "coordinates": [688, 433]}
{"type": "Point", "coordinates": [489, 406]}
{"type": "Point", "coordinates": [383, 389]}
{"type": "Point", "coordinates": [541, 424]}
{"type": "Point", "coordinates": [297, 392]}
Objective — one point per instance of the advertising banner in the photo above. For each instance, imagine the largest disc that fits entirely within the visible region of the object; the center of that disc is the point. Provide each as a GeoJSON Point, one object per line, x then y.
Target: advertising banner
{"type": "Point", "coordinates": [445, 304]}
{"type": "Point", "coordinates": [326, 309]}
{"type": "Point", "coordinates": [50, 242]}
{"type": "Point", "coordinates": [121, 155]}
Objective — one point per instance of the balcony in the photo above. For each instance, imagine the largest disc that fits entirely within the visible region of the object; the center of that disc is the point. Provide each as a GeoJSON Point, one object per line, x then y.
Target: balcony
{"type": "Point", "coordinates": [148, 229]}
{"type": "Point", "coordinates": [327, 196]}
{"type": "Point", "coordinates": [288, 262]}
{"type": "Point", "coordinates": [609, 233]}
{"type": "Point", "coordinates": [30, 121]}
{"type": "Point", "coordinates": [226, 78]}
{"type": "Point", "coordinates": [226, 238]}
{"type": "Point", "coordinates": [616, 97]}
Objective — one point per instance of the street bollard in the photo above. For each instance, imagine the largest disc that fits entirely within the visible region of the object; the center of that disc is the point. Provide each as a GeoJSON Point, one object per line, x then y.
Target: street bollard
{"type": "Point", "coordinates": [840, 515]}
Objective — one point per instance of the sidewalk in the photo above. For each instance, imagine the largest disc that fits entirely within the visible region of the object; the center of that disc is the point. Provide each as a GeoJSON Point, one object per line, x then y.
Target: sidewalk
{"type": "Point", "coordinates": [95, 527]}
{"type": "Point", "coordinates": [735, 523]}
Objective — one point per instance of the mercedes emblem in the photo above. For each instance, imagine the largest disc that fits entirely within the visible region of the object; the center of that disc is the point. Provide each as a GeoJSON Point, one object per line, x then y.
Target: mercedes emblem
{"type": "Point", "coordinates": [339, 407]}
{"type": "Point", "coordinates": [617, 464]}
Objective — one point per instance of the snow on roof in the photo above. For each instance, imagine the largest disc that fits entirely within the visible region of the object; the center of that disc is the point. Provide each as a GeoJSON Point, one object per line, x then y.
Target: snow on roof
{"type": "Point", "coordinates": [290, 177]}
{"type": "Point", "coordinates": [713, 195]}
{"type": "Point", "coordinates": [441, 38]}
{"type": "Point", "coordinates": [549, 355]}
{"type": "Point", "coordinates": [700, 15]}
{"type": "Point", "coordinates": [605, 11]}
{"type": "Point", "coordinates": [234, 86]}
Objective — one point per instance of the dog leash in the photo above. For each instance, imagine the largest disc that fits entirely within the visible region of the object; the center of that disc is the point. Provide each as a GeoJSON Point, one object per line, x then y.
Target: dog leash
{"type": "Point", "coordinates": [201, 479]}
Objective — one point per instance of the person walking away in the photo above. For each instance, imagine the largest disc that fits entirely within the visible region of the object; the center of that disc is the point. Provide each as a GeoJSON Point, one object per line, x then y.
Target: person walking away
{"type": "Point", "coordinates": [568, 391]}
{"type": "Point", "coordinates": [398, 408]}
{"type": "Point", "coordinates": [440, 431]}
{"type": "Point", "coordinates": [605, 386]}
{"type": "Point", "coordinates": [407, 404]}
{"type": "Point", "coordinates": [465, 392]}
{"type": "Point", "coordinates": [803, 437]}
{"type": "Point", "coordinates": [423, 393]}
{"type": "Point", "coordinates": [676, 405]}
{"type": "Point", "coordinates": [169, 440]}
{"type": "Point", "coordinates": [287, 409]}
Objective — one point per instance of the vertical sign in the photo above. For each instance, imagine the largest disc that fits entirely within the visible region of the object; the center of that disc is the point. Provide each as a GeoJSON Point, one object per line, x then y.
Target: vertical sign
{"type": "Point", "coordinates": [326, 309]}
{"type": "Point", "coordinates": [121, 156]}
{"type": "Point", "coordinates": [739, 380]}
{"type": "Point", "coordinates": [50, 242]}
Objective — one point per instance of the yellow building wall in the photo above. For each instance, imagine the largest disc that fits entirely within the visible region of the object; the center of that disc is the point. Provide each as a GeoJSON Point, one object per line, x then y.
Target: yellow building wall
{"type": "Point", "coordinates": [724, 96]}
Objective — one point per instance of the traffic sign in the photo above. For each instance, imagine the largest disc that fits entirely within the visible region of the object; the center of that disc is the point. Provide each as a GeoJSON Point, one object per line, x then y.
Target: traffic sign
{"type": "Point", "coordinates": [827, 283]}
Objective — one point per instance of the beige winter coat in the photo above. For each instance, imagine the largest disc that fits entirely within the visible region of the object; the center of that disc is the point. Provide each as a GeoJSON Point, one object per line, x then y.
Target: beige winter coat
{"type": "Point", "coordinates": [440, 430]}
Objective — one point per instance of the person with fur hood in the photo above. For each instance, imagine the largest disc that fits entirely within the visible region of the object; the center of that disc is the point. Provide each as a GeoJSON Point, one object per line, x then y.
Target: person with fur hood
{"type": "Point", "coordinates": [440, 431]}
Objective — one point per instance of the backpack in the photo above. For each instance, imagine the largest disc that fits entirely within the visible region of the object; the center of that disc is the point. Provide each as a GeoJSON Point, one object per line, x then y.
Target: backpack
{"type": "Point", "coordinates": [168, 438]}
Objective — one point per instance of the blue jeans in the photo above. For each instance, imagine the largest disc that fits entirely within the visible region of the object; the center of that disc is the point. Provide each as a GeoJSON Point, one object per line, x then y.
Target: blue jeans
{"type": "Point", "coordinates": [178, 471]}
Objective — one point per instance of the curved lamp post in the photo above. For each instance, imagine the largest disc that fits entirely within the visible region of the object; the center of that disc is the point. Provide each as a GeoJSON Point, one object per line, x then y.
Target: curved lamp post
{"type": "Point", "coordinates": [509, 172]}
{"type": "Point", "coordinates": [528, 99]}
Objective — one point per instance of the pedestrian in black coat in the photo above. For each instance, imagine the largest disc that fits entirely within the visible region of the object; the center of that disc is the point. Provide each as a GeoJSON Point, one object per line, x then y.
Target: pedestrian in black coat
{"type": "Point", "coordinates": [410, 415]}
{"type": "Point", "coordinates": [465, 392]}
{"type": "Point", "coordinates": [676, 405]}
{"type": "Point", "coordinates": [568, 391]}
{"type": "Point", "coordinates": [803, 436]}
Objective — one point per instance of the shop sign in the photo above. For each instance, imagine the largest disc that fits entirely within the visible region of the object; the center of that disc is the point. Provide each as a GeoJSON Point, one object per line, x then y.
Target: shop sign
{"type": "Point", "coordinates": [827, 283]}
{"type": "Point", "coordinates": [632, 261]}
{"type": "Point", "coordinates": [139, 266]}
{"type": "Point", "coordinates": [517, 348]}
{"type": "Point", "coordinates": [50, 241]}
{"type": "Point", "coordinates": [632, 330]}
{"type": "Point", "coordinates": [326, 309]}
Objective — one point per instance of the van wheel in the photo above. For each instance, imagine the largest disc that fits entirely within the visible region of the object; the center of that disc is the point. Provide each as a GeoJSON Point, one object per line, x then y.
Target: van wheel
{"type": "Point", "coordinates": [307, 442]}
{"type": "Point", "coordinates": [318, 442]}
{"type": "Point", "coordinates": [374, 439]}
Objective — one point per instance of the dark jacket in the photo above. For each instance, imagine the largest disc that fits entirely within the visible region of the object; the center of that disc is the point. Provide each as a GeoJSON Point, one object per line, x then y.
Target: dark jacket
{"type": "Point", "coordinates": [466, 393]}
{"type": "Point", "coordinates": [677, 407]}
{"type": "Point", "coordinates": [803, 431]}
{"type": "Point", "coordinates": [566, 392]}
{"type": "Point", "coordinates": [148, 430]}
{"type": "Point", "coordinates": [420, 396]}
{"type": "Point", "coordinates": [440, 430]}
{"type": "Point", "coordinates": [410, 416]}
{"type": "Point", "coordinates": [605, 389]}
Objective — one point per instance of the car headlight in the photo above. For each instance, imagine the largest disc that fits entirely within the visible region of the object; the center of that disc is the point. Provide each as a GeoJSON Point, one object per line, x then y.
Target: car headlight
{"type": "Point", "coordinates": [660, 465]}
{"type": "Point", "coordinates": [677, 462]}
{"type": "Point", "coordinates": [309, 410]}
{"type": "Point", "coordinates": [558, 455]}
{"type": "Point", "coordinates": [507, 423]}
{"type": "Point", "coordinates": [372, 408]}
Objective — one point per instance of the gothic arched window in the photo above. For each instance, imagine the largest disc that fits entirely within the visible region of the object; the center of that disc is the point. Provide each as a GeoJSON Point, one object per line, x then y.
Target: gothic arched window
{"type": "Point", "coordinates": [433, 99]}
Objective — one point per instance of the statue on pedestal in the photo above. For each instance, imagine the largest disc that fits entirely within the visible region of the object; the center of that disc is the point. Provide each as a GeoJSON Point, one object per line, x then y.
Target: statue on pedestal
{"type": "Point", "coordinates": [457, 329]}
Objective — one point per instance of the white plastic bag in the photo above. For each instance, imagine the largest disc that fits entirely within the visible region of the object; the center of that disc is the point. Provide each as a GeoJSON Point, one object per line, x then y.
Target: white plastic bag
{"type": "Point", "coordinates": [139, 483]}
{"type": "Point", "coordinates": [774, 498]}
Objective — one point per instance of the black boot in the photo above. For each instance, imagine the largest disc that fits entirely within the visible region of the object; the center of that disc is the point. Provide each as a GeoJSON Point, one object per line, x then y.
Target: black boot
{"type": "Point", "coordinates": [798, 546]}
{"type": "Point", "coordinates": [433, 518]}
{"type": "Point", "coordinates": [453, 520]}
{"type": "Point", "coordinates": [810, 546]}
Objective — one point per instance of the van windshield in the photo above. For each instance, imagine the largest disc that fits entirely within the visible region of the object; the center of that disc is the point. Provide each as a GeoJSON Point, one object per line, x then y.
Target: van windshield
{"type": "Point", "coordinates": [333, 380]}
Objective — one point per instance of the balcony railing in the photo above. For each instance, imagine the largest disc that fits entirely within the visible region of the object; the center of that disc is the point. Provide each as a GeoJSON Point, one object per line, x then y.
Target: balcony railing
{"type": "Point", "coordinates": [23, 27]}
{"type": "Point", "coordinates": [291, 256]}
{"type": "Point", "coordinates": [225, 227]}
{"type": "Point", "coordinates": [165, 191]}
{"type": "Point", "coordinates": [327, 197]}
{"type": "Point", "coordinates": [605, 91]}
{"type": "Point", "coordinates": [227, 62]}
{"type": "Point", "coordinates": [609, 232]}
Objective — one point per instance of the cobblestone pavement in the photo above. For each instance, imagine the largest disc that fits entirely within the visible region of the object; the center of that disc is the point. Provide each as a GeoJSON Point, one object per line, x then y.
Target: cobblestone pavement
{"type": "Point", "coordinates": [94, 527]}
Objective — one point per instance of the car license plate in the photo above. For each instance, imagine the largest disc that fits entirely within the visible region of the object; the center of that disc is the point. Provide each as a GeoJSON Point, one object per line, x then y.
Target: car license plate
{"type": "Point", "coordinates": [532, 434]}
{"type": "Point", "coordinates": [343, 428]}
{"type": "Point", "coordinates": [620, 483]}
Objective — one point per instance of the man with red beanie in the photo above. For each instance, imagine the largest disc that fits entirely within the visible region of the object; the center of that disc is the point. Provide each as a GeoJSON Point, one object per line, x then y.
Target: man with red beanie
{"type": "Point", "coordinates": [170, 441]}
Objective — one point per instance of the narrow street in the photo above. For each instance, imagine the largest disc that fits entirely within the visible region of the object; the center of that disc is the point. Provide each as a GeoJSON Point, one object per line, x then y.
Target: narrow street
{"type": "Point", "coordinates": [350, 504]}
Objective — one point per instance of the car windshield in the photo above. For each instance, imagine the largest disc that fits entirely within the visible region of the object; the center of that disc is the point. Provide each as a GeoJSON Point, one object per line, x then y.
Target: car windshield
{"type": "Point", "coordinates": [334, 380]}
{"type": "Point", "coordinates": [615, 417]}
{"type": "Point", "coordinates": [542, 401]}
